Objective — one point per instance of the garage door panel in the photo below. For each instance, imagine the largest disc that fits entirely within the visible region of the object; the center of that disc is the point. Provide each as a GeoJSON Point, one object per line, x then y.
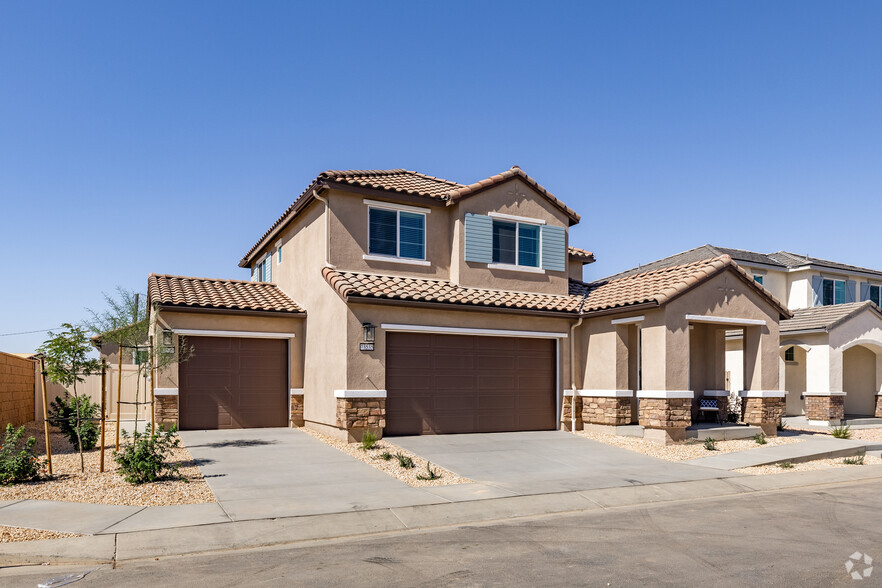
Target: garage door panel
{"type": "Point", "coordinates": [472, 384]}
{"type": "Point", "coordinates": [233, 383]}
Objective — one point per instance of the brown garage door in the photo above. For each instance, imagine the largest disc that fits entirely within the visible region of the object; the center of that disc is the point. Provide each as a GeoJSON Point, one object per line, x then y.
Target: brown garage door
{"type": "Point", "coordinates": [234, 383]}
{"type": "Point", "coordinates": [468, 384]}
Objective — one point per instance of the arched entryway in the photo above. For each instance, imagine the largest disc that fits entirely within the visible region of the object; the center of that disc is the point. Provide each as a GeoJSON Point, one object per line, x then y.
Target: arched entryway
{"type": "Point", "coordinates": [859, 381]}
{"type": "Point", "coordinates": [794, 358]}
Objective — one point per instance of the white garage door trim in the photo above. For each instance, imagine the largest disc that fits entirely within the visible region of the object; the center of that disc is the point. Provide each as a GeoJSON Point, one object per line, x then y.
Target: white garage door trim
{"type": "Point", "coordinates": [470, 331]}
{"type": "Point", "coordinates": [242, 334]}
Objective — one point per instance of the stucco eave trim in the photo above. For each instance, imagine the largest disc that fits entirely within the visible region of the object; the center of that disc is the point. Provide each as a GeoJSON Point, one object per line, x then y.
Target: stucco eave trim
{"type": "Point", "coordinates": [823, 393]}
{"type": "Point", "coordinates": [803, 332]}
{"type": "Point", "coordinates": [716, 393]}
{"type": "Point", "coordinates": [355, 299]}
{"type": "Point", "coordinates": [165, 391]}
{"type": "Point", "coordinates": [724, 320]}
{"type": "Point", "coordinates": [665, 394]}
{"type": "Point", "coordinates": [605, 393]}
{"type": "Point", "coordinates": [359, 394]}
{"type": "Point", "coordinates": [762, 393]}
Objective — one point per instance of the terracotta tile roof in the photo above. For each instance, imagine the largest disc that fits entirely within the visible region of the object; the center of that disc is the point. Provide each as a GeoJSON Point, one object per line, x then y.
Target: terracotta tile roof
{"type": "Point", "coordinates": [354, 284]}
{"type": "Point", "coordinates": [582, 254]}
{"type": "Point", "coordinates": [661, 285]}
{"type": "Point", "coordinates": [826, 317]}
{"type": "Point", "coordinates": [180, 291]}
{"type": "Point", "coordinates": [398, 181]}
{"type": "Point", "coordinates": [654, 288]}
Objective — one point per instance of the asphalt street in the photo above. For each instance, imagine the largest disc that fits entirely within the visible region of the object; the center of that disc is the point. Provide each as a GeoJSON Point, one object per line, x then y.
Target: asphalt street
{"type": "Point", "coordinates": [801, 537]}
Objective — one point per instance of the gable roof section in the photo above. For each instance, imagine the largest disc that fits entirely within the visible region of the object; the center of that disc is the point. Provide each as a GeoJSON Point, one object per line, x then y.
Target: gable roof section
{"type": "Point", "coordinates": [698, 254]}
{"type": "Point", "coordinates": [183, 292]}
{"type": "Point", "coordinates": [582, 255]}
{"type": "Point", "coordinates": [398, 181]}
{"type": "Point", "coordinates": [651, 288]}
{"type": "Point", "coordinates": [826, 317]}
{"type": "Point", "coordinates": [660, 286]}
{"type": "Point", "coordinates": [793, 260]}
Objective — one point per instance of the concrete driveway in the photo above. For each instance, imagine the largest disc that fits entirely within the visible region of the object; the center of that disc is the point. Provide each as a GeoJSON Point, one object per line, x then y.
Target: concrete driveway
{"type": "Point", "coordinates": [541, 462]}
{"type": "Point", "coordinates": [264, 473]}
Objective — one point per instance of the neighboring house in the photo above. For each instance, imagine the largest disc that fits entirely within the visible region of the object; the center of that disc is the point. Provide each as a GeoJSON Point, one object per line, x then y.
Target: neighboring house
{"type": "Point", "coordinates": [831, 351]}
{"type": "Point", "coordinates": [393, 301]}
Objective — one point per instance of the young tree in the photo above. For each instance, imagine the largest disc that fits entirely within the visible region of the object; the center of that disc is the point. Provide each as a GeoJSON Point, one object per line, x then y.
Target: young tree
{"type": "Point", "coordinates": [67, 362]}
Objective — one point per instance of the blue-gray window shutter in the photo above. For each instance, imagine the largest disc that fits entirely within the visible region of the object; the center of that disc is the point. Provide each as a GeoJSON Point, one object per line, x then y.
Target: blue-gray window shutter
{"type": "Point", "coordinates": [850, 291]}
{"type": "Point", "coordinates": [478, 238]}
{"type": "Point", "coordinates": [865, 291]}
{"type": "Point", "coordinates": [554, 248]}
{"type": "Point", "coordinates": [254, 271]}
{"type": "Point", "coordinates": [268, 269]}
{"type": "Point", "coordinates": [817, 287]}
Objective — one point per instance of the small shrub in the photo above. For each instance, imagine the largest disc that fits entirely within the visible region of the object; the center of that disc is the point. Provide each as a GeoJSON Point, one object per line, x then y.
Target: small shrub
{"type": "Point", "coordinates": [63, 414]}
{"type": "Point", "coordinates": [856, 460]}
{"type": "Point", "coordinates": [781, 426]}
{"type": "Point", "coordinates": [786, 465]}
{"type": "Point", "coordinates": [430, 473]}
{"type": "Point", "coordinates": [841, 432]}
{"type": "Point", "coordinates": [368, 441]}
{"type": "Point", "coordinates": [385, 456]}
{"type": "Point", "coordinates": [710, 444]}
{"type": "Point", "coordinates": [18, 464]}
{"type": "Point", "coordinates": [404, 461]}
{"type": "Point", "coordinates": [760, 438]}
{"type": "Point", "coordinates": [733, 417]}
{"type": "Point", "coordinates": [145, 459]}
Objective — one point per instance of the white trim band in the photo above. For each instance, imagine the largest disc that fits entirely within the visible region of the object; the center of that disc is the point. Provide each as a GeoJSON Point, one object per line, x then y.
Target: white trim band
{"type": "Point", "coordinates": [823, 393]}
{"type": "Point", "coordinates": [520, 219]}
{"type": "Point", "coordinates": [724, 320]}
{"type": "Point", "coordinates": [762, 393]}
{"type": "Point", "coordinates": [628, 320]}
{"type": "Point", "coordinates": [296, 391]}
{"type": "Point", "coordinates": [606, 393]}
{"type": "Point", "coordinates": [665, 394]}
{"type": "Point", "coordinates": [165, 391]}
{"type": "Point", "coordinates": [394, 206]}
{"type": "Point", "coordinates": [242, 334]}
{"type": "Point", "coordinates": [716, 393]}
{"type": "Point", "coordinates": [516, 268]}
{"type": "Point", "coordinates": [392, 327]}
{"type": "Point", "coordinates": [393, 259]}
{"type": "Point", "coordinates": [359, 394]}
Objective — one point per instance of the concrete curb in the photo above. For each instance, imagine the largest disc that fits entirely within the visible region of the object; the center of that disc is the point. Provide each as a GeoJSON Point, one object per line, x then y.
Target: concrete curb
{"type": "Point", "coordinates": [229, 536]}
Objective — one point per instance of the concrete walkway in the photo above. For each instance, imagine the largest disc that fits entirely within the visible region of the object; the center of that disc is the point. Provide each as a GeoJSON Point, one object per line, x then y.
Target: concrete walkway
{"type": "Point", "coordinates": [810, 447]}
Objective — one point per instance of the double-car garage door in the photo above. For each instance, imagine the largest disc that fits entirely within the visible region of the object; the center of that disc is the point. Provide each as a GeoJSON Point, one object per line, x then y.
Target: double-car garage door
{"type": "Point", "coordinates": [234, 383]}
{"type": "Point", "coordinates": [469, 384]}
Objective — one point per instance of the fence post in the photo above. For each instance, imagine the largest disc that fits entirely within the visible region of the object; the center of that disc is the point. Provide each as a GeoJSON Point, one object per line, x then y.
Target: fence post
{"type": "Point", "coordinates": [103, 409]}
{"type": "Point", "coordinates": [46, 414]}
{"type": "Point", "coordinates": [118, 390]}
{"type": "Point", "coordinates": [152, 386]}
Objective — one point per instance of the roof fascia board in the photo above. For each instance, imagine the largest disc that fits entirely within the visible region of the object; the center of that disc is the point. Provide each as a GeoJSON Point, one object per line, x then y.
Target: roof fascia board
{"type": "Point", "coordinates": [804, 332]}
{"type": "Point", "coordinates": [210, 310]}
{"type": "Point", "coordinates": [836, 270]}
{"type": "Point", "coordinates": [356, 299]}
{"type": "Point", "coordinates": [402, 197]}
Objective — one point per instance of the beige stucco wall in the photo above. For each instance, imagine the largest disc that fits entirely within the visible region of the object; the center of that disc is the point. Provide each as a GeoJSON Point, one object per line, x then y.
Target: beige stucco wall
{"type": "Point", "coordinates": [516, 198]}
{"type": "Point", "coordinates": [859, 381]}
{"type": "Point", "coordinates": [795, 380]}
{"type": "Point", "coordinates": [574, 269]}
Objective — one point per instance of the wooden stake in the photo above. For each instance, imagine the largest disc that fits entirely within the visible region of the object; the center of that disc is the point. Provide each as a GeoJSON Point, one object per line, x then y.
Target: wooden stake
{"type": "Point", "coordinates": [152, 386]}
{"type": "Point", "coordinates": [46, 415]}
{"type": "Point", "coordinates": [103, 409]}
{"type": "Point", "coordinates": [118, 391]}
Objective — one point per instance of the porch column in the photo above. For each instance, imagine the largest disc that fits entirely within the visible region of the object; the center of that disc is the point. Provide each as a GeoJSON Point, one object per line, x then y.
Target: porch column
{"type": "Point", "coordinates": [359, 411]}
{"type": "Point", "coordinates": [826, 408]}
{"type": "Point", "coordinates": [824, 397]}
{"type": "Point", "coordinates": [165, 409]}
{"type": "Point", "coordinates": [296, 408]}
{"type": "Point", "coordinates": [665, 414]}
{"type": "Point", "coordinates": [763, 408]}
{"type": "Point", "coordinates": [604, 410]}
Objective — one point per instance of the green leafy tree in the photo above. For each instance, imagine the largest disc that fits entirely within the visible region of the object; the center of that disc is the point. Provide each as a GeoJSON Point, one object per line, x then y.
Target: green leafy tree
{"type": "Point", "coordinates": [62, 414]}
{"type": "Point", "coordinates": [67, 362]}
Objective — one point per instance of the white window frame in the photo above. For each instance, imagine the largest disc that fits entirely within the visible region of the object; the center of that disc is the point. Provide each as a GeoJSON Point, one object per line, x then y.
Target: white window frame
{"type": "Point", "coordinates": [398, 210]}
{"type": "Point", "coordinates": [844, 292]}
{"type": "Point", "coordinates": [279, 253]}
{"type": "Point", "coordinates": [517, 264]}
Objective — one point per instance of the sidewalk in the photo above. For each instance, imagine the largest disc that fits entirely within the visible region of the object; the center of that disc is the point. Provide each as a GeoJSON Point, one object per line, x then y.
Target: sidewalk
{"type": "Point", "coordinates": [810, 448]}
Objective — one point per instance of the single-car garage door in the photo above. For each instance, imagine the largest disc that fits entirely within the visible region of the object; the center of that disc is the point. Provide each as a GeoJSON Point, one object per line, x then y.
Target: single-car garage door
{"type": "Point", "coordinates": [234, 383]}
{"type": "Point", "coordinates": [468, 384]}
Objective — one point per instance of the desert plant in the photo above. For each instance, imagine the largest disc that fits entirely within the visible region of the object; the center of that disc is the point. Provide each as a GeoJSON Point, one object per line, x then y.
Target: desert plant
{"type": "Point", "coordinates": [710, 444]}
{"type": "Point", "coordinates": [404, 461]}
{"type": "Point", "coordinates": [368, 441]}
{"type": "Point", "coordinates": [760, 438]}
{"type": "Point", "coordinates": [781, 426]}
{"type": "Point", "coordinates": [385, 456]}
{"type": "Point", "coordinates": [841, 432]}
{"type": "Point", "coordinates": [786, 465]}
{"type": "Point", "coordinates": [76, 419]}
{"type": "Point", "coordinates": [732, 417]}
{"type": "Point", "coordinates": [66, 362]}
{"type": "Point", "coordinates": [430, 473]}
{"type": "Point", "coordinates": [18, 464]}
{"type": "Point", "coordinates": [856, 460]}
{"type": "Point", "coordinates": [145, 459]}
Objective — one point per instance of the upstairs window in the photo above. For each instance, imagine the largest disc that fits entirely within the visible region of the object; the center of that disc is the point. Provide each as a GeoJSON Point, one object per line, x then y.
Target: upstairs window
{"type": "Point", "coordinates": [515, 243]}
{"type": "Point", "coordinates": [758, 280]}
{"type": "Point", "coordinates": [875, 294]}
{"type": "Point", "coordinates": [263, 272]}
{"type": "Point", "coordinates": [833, 292]}
{"type": "Point", "coordinates": [396, 233]}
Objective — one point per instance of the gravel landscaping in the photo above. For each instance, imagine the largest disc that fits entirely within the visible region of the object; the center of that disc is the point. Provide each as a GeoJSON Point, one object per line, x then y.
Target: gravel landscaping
{"type": "Point", "coordinates": [69, 485]}
{"type": "Point", "coordinates": [818, 464]}
{"type": "Point", "coordinates": [16, 534]}
{"type": "Point", "coordinates": [691, 449]}
{"type": "Point", "coordinates": [391, 467]}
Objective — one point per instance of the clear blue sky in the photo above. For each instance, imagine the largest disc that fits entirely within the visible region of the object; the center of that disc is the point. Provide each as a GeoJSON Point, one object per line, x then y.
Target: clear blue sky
{"type": "Point", "coordinates": [167, 136]}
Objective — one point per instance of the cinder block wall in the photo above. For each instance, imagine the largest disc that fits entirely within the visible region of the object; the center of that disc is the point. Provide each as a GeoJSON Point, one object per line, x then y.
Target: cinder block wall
{"type": "Point", "coordinates": [17, 378]}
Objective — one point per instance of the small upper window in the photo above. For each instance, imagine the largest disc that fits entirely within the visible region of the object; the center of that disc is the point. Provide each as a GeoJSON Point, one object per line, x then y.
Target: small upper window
{"type": "Point", "coordinates": [396, 233]}
{"type": "Point", "coordinates": [279, 254]}
{"type": "Point", "coordinates": [758, 280]}
{"type": "Point", "coordinates": [833, 292]}
{"type": "Point", "coordinates": [515, 243]}
{"type": "Point", "coordinates": [790, 354]}
{"type": "Point", "coordinates": [875, 294]}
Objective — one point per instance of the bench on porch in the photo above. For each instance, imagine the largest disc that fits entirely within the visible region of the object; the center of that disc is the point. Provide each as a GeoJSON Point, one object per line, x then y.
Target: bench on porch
{"type": "Point", "coordinates": [709, 406]}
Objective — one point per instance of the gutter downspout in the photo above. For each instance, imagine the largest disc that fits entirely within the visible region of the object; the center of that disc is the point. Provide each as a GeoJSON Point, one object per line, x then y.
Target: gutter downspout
{"type": "Point", "coordinates": [315, 195]}
{"type": "Point", "coordinates": [573, 328]}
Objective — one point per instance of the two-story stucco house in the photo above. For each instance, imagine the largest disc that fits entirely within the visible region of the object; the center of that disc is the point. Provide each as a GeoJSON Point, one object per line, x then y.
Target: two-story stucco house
{"type": "Point", "coordinates": [831, 350]}
{"type": "Point", "coordinates": [402, 303]}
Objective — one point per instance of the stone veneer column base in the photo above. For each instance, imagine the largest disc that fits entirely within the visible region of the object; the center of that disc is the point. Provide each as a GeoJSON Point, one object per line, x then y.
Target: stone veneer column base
{"type": "Point", "coordinates": [879, 407]}
{"type": "Point", "coordinates": [566, 414]}
{"type": "Point", "coordinates": [827, 408]}
{"type": "Point", "coordinates": [165, 410]}
{"type": "Point", "coordinates": [357, 415]}
{"type": "Point", "coordinates": [664, 419]}
{"type": "Point", "coordinates": [606, 410]}
{"type": "Point", "coordinates": [764, 413]}
{"type": "Point", "coordinates": [296, 417]}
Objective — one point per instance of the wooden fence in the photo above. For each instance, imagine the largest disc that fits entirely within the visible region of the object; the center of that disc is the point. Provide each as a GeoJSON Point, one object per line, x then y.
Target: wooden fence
{"type": "Point", "coordinates": [91, 387]}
